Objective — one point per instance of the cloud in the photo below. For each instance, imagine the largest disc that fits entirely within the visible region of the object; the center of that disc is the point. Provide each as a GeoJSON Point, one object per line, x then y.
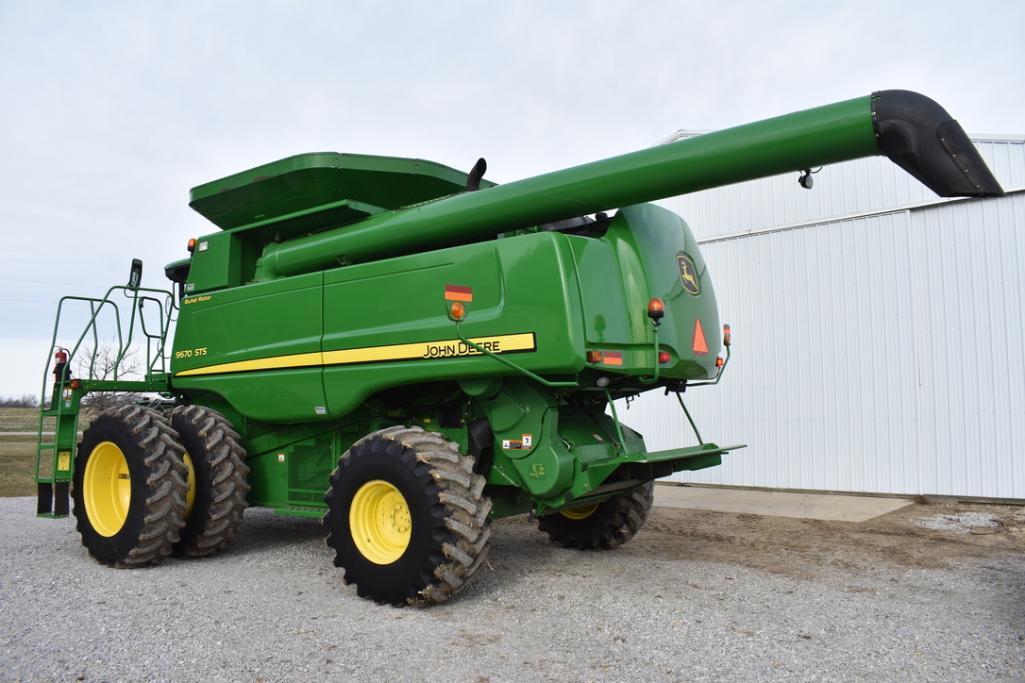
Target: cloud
{"type": "Point", "coordinates": [112, 111]}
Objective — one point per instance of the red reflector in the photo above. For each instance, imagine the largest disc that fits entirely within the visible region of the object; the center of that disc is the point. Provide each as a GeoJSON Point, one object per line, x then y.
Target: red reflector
{"type": "Point", "coordinates": [663, 356]}
{"type": "Point", "coordinates": [719, 362]}
{"type": "Point", "coordinates": [700, 345]}
{"type": "Point", "coordinates": [594, 356]}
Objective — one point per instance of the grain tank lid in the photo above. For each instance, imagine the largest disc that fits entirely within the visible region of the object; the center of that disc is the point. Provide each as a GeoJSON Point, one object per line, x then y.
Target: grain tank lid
{"type": "Point", "coordinates": [306, 181]}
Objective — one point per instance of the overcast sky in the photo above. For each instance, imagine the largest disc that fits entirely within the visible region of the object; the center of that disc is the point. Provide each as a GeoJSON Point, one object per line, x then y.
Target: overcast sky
{"type": "Point", "coordinates": [110, 112]}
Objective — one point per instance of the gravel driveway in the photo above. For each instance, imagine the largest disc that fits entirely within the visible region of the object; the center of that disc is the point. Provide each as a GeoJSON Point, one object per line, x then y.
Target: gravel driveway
{"type": "Point", "coordinates": [697, 595]}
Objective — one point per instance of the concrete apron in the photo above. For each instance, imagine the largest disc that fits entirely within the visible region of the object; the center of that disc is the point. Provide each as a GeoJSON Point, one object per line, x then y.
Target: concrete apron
{"type": "Point", "coordinates": [824, 506]}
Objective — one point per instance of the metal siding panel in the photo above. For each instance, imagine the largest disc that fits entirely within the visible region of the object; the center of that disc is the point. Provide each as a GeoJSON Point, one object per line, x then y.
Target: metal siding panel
{"type": "Point", "coordinates": [881, 354]}
{"type": "Point", "coordinates": [856, 186]}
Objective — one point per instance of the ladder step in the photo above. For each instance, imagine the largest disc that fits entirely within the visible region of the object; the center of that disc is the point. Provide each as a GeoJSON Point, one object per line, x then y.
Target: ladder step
{"type": "Point", "coordinates": [46, 445]}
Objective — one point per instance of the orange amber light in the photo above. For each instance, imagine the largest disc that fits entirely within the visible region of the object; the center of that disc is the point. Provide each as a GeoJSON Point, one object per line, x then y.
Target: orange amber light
{"type": "Point", "coordinates": [656, 308]}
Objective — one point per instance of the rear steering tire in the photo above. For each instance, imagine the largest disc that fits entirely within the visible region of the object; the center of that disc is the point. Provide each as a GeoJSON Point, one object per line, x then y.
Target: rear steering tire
{"type": "Point", "coordinates": [129, 487]}
{"type": "Point", "coordinates": [601, 526]}
{"type": "Point", "coordinates": [218, 484]}
{"type": "Point", "coordinates": [407, 517]}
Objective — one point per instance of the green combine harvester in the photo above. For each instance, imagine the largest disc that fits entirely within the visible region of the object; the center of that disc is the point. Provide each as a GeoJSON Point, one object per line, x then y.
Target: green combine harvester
{"type": "Point", "coordinates": [408, 351]}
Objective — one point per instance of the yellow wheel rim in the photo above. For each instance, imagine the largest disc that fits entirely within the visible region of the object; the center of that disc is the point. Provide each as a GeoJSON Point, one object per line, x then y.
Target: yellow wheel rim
{"type": "Point", "coordinates": [379, 522]}
{"type": "Point", "coordinates": [578, 513]}
{"type": "Point", "coordinates": [106, 488]}
{"type": "Point", "coordinates": [190, 495]}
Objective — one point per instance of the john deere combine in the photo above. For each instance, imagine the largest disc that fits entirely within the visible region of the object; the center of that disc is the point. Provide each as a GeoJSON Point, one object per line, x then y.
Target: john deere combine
{"type": "Point", "coordinates": [408, 351]}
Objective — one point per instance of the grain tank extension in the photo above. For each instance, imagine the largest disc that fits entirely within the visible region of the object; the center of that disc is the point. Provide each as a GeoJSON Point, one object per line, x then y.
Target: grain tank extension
{"type": "Point", "coordinates": [408, 351]}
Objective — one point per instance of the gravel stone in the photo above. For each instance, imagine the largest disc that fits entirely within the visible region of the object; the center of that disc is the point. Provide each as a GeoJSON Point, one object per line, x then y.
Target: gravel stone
{"type": "Point", "coordinates": [272, 607]}
{"type": "Point", "coordinates": [960, 523]}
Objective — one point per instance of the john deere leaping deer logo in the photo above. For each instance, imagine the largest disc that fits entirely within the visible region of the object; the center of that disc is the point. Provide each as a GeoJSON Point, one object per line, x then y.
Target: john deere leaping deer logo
{"type": "Point", "coordinates": [688, 274]}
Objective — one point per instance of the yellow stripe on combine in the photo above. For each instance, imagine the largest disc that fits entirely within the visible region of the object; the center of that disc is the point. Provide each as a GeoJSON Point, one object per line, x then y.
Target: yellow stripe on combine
{"type": "Point", "coordinates": [433, 350]}
{"type": "Point", "coordinates": [449, 348]}
{"type": "Point", "coordinates": [297, 360]}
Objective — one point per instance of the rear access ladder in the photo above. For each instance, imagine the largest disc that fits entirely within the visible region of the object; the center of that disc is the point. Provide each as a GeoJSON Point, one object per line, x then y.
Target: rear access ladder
{"type": "Point", "coordinates": [57, 434]}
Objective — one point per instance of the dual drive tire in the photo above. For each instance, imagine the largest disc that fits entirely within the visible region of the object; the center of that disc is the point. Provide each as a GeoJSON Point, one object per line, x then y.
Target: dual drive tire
{"type": "Point", "coordinates": [140, 495]}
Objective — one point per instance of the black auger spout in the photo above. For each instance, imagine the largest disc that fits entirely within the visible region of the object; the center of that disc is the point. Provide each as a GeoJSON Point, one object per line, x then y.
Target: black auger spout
{"type": "Point", "coordinates": [920, 136]}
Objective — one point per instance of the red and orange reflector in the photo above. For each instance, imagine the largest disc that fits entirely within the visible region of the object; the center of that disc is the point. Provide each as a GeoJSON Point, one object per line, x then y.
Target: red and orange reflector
{"type": "Point", "coordinates": [700, 345]}
{"type": "Point", "coordinates": [612, 358]}
{"type": "Point", "coordinates": [75, 384]}
{"type": "Point", "coordinates": [458, 293]}
{"type": "Point", "coordinates": [719, 362]}
{"type": "Point", "coordinates": [457, 311]}
{"type": "Point", "coordinates": [606, 357]}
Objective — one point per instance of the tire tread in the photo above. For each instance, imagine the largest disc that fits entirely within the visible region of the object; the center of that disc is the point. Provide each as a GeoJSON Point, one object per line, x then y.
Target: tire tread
{"type": "Point", "coordinates": [461, 516]}
{"type": "Point", "coordinates": [229, 485]}
{"type": "Point", "coordinates": [614, 523]}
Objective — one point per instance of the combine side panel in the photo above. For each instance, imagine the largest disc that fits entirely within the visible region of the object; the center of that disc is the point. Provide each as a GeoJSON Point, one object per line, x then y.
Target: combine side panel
{"type": "Point", "coordinates": [258, 346]}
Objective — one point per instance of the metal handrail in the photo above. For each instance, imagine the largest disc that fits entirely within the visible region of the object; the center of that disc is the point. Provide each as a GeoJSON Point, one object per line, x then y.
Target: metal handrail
{"type": "Point", "coordinates": [96, 307]}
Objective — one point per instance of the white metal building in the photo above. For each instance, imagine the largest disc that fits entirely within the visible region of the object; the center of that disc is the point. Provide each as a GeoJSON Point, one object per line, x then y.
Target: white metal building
{"type": "Point", "coordinates": [878, 333]}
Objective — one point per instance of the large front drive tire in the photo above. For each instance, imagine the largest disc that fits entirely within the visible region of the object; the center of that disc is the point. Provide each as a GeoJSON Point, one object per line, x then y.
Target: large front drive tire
{"type": "Point", "coordinates": [217, 483]}
{"type": "Point", "coordinates": [604, 526]}
{"type": "Point", "coordinates": [129, 487]}
{"type": "Point", "coordinates": [407, 517]}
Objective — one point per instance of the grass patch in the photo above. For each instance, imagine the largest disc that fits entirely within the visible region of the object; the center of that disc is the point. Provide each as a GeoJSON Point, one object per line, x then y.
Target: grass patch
{"type": "Point", "coordinates": [19, 419]}
{"type": "Point", "coordinates": [17, 465]}
{"type": "Point", "coordinates": [18, 451]}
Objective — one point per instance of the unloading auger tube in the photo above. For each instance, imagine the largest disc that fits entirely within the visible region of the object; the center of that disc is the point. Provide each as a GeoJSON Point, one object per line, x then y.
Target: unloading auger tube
{"type": "Point", "coordinates": [911, 129]}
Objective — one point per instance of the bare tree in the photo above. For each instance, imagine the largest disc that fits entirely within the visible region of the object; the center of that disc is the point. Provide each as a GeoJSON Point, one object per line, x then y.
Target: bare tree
{"type": "Point", "coordinates": [103, 367]}
{"type": "Point", "coordinates": [26, 401]}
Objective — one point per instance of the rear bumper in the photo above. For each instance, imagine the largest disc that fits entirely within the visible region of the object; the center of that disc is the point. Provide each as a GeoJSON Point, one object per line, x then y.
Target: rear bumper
{"type": "Point", "coordinates": [689, 458]}
{"type": "Point", "coordinates": [631, 470]}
